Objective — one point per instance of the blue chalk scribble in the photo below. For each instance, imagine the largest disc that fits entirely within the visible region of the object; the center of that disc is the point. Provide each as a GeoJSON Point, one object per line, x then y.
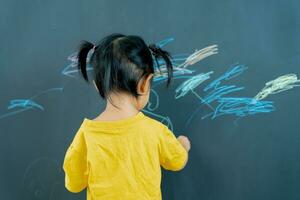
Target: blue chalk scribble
{"type": "Point", "coordinates": [240, 107]}
{"type": "Point", "coordinates": [219, 92]}
{"type": "Point", "coordinates": [164, 42]}
{"type": "Point", "coordinates": [20, 105]}
{"type": "Point", "coordinates": [180, 63]}
{"type": "Point", "coordinates": [227, 105]}
{"type": "Point", "coordinates": [216, 95]}
{"type": "Point", "coordinates": [23, 103]}
{"type": "Point", "coordinates": [153, 106]}
{"type": "Point", "coordinates": [191, 84]}
{"type": "Point", "coordinates": [229, 74]}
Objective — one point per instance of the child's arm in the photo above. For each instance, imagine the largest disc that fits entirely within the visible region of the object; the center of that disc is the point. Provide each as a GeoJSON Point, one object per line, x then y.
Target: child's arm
{"type": "Point", "coordinates": [75, 164]}
{"type": "Point", "coordinates": [173, 152]}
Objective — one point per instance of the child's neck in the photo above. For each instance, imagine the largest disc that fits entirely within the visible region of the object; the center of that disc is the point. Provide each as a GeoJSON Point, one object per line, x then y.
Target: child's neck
{"type": "Point", "coordinates": [126, 107]}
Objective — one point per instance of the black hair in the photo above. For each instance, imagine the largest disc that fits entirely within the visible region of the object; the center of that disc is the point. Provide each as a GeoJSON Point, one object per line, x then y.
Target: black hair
{"type": "Point", "coordinates": [120, 61]}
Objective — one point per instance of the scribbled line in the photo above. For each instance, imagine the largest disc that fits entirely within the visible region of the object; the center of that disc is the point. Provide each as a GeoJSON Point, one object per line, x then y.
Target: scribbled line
{"type": "Point", "coordinates": [191, 84]}
{"type": "Point", "coordinates": [280, 84]}
{"type": "Point", "coordinates": [218, 91]}
{"type": "Point", "coordinates": [180, 63]}
{"type": "Point", "coordinates": [39, 186]}
{"type": "Point", "coordinates": [232, 72]}
{"type": "Point", "coordinates": [164, 42]}
{"type": "Point", "coordinates": [21, 105]}
{"type": "Point", "coordinates": [71, 69]}
{"type": "Point", "coordinates": [240, 107]}
{"type": "Point", "coordinates": [199, 55]}
{"type": "Point", "coordinates": [233, 105]}
{"type": "Point", "coordinates": [180, 68]}
{"type": "Point", "coordinates": [153, 106]}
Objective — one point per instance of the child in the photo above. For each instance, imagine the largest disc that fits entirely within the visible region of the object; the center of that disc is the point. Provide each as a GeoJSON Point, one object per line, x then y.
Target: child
{"type": "Point", "coordinates": [118, 154]}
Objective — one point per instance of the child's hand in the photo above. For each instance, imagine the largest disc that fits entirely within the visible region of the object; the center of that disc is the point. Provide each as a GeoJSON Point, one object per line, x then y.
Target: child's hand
{"type": "Point", "coordinates": [184, 142]}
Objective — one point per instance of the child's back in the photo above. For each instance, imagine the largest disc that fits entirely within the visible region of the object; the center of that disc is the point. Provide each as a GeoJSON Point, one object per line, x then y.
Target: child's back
{"type": "Point", "coordinates": [121, 159]}
{"type": "Point", "coordinates": [118, 155]}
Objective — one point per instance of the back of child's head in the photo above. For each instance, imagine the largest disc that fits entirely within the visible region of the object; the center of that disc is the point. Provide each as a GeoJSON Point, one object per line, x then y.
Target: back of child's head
{"type": "Point", "coordinates": [120, 61]}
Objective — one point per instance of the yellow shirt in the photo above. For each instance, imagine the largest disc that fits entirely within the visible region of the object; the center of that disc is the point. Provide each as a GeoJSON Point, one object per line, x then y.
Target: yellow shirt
{"type": "Point", "coordinates": [121, 159]}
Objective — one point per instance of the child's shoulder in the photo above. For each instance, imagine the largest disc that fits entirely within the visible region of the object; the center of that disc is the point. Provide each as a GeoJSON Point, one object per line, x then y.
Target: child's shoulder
{"type": "Point", "coordinates": [155, 123]}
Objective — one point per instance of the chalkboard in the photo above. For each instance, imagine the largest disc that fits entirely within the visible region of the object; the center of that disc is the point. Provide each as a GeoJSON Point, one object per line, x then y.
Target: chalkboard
{"type": "Point", "coordinates": [235, 92]}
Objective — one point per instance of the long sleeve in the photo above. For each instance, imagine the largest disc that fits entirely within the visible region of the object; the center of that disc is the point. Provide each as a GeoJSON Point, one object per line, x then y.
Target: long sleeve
{"type": "Point", "coordinates": [172, 154]}
{"type": "Point", "coordinates": [75, 164]}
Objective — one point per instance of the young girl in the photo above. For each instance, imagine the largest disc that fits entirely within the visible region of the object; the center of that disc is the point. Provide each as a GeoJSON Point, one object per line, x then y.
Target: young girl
{"type": "Point", "coordinates": [119, 154]}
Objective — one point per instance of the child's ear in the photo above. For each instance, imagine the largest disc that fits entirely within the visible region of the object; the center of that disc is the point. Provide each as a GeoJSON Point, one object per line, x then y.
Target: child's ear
{"type": "Point", "coordinates": [144, 84]}
{"type": "Point", "coordinates": [95, 85]}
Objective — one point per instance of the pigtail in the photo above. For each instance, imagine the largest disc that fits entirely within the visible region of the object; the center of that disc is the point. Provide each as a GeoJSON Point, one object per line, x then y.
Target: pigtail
{"type": "Point", "coordinates": [159, 53]}
{"type": "Point", "coordinates": [84, 49]}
